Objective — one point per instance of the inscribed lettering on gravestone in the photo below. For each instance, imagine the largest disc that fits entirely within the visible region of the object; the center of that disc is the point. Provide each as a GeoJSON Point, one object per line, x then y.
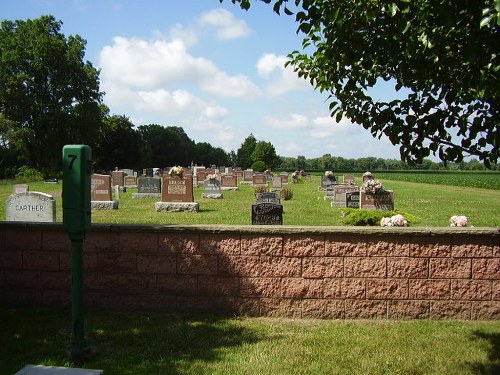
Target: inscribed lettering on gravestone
{"type": "Point", "coordinates": [177, 189]}
{"type": "Point", "coordinates": [267, 214]}
{"type": "Point", "coordinates": [100, 187]}
{"type": "Point", "coordinates": [378, 201]}
{"type": "Point", "coordinates": [31, 206]}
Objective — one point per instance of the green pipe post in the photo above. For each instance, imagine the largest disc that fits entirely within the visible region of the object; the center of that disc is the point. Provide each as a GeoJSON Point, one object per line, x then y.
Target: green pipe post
{"type": "Point", "coordinates": [77, 162]}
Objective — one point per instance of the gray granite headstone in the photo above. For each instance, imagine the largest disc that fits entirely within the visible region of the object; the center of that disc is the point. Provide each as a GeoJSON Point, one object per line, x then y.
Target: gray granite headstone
{"type": "Point", "coordinates": [212, 189]}
{"type": "Point", "coordinates": [31, 206]}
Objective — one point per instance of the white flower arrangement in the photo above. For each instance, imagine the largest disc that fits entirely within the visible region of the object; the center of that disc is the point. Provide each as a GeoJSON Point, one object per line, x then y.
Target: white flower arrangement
{"type": "Point", "coordinates": [373, 187]}
{"type": "Point", "coordinates": [459, 221]}
{"type": "Point", "coordinates": [394, 221]}
{"type": "Point", "coordinates": [329, 174]}
{"type": "Point", "coordinates": [212, 176]}
{"type": "Point", "coordinates": [177, 171]}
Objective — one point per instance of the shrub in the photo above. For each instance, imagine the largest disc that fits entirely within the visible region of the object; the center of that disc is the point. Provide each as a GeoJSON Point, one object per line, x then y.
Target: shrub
{"type": "Point", "coordinates": [259, 166]}
{"type": "Point", "coordinates": [286, 194]}
{"type": "Point", "coordinates": [27, 174]}
{"type": "Point", "coordinates": [358, 217]}
{"type": "Point", "coordinates": [259, 189]}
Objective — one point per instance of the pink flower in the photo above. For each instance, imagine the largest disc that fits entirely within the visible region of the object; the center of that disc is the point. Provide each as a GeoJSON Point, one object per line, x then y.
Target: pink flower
{"type": "Point", "coordinates": [458, 221]}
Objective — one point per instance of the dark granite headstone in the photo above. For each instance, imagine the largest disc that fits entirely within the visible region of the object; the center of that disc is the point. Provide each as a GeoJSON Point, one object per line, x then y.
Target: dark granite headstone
{"type": "Point", "coordinates": [267, 214]}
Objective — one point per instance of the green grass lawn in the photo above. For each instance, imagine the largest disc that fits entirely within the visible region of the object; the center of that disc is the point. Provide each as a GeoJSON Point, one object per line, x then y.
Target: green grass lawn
{"type": "Point", "coordinates": [166, 344]}
{"type": "Point", "coordinates": [430, 205]}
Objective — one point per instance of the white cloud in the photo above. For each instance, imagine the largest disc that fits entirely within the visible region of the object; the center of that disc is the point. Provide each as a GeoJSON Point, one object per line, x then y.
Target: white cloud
{"type": "Point", "coordinates": [282, 79]}
{"type": "Point", "coordinates": [226, 25]}
{"type": "Point", "coordinates": [292, 121]}
{"type": "Point", "coordinates": [141, 64]}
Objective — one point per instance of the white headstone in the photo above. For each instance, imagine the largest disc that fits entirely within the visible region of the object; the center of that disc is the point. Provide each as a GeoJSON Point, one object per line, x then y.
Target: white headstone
{"type": "Point", "coordinates": [31, 206]}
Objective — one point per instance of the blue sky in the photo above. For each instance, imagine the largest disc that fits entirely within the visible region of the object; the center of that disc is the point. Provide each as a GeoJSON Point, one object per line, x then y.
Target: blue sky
{"type": "Point", "coordinates": [213, 69]}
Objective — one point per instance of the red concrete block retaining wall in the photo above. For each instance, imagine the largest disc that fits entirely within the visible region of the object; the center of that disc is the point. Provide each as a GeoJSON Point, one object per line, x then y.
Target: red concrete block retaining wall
{"type": "Point", "coordinates": [297, 272]}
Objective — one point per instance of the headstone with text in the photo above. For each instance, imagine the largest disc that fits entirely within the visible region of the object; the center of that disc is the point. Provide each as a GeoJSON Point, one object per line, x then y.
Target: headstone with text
{"type": "Point", "coordinates": [352, 199]}
{"type": "Point", "coordinates": [247, 176]}
{"type": "Point", "coordinates": [148, 187]}
{"type": "Point", "coordinates": [130, 181]}
{"type": "Point", "coordinates": [270, 197]}
{"type": "Point", "coordinates": [117, 178]}
{"type": "Point", "coordinates": [31, 206]}
{"type": "Point", "coordinates": [177, 194]}
{"type": "Point", "coordinates": [212, 189]}
{"type": "Point", "coordinates": [267, 214]}
{"type": "Point", "coordinates": [378, 201]}
{"type": "Point", "coordinates": [100, 192]}
{"type": "Point", "coordinates": [259, 179]}
{"type": "Point", "coordinates": [229, 182]}
{"type": "Point", "coordinates": [340, 191]}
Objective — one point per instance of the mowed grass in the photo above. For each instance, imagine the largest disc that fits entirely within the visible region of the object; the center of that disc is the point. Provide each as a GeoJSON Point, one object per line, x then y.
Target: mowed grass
{"type": "Point", "coordinates": [430, 205]}
{"type": "Point", "coordinates": [166, 344]}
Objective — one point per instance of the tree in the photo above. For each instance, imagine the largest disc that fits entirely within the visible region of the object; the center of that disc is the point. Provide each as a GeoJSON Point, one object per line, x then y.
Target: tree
{"type": "Point", "coordinates": [264, 151]}
{"type": "Point", "coordinates": [244, 153]}
{"type": "Point", "coordinates": [121, 146]}
{"type": "Point", "coordinates": [166, 146]}
{"type": "Point", "coordinates": [442, 56]}
{"type": "Point", "coordinates": [47, 92]}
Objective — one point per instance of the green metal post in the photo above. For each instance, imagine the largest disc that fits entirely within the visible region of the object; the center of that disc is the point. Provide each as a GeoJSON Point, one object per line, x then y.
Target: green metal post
{"type": "Point", "coordinates": [76, 220]}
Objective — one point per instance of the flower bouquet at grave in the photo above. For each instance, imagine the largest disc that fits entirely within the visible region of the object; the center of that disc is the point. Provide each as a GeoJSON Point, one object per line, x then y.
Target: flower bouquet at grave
{"type": "Point", "coordinates": [394, 221]}
{"type": "Point", "coordinates": [458, 221]}
{"type": "Point", "coordinates": [212, 177]}
{"type": "Point", "coordinates": [373, 187]}
{"type": "Point", "coordinates": [176, 171]}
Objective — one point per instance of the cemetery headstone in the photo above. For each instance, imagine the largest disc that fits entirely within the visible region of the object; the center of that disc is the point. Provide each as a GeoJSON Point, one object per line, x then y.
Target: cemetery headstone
{"type": "Point", "coordinates": [267, 214]}
{"type": "Point", "coordinates": [117, 178]}
{"type": "Point", "coordinates": [259, 179]}
{"type": "Point", "coordinates": [239, 174]}
{"type": "Point", "coordinates": [247, 176]}
{"type": "Point", "coordinates": [177, 189]}
{"type": "Point", "coordinates": [148, 172]}
{"type": "Point", "coordinates": [349, 179]}
{"type": "Point", "coordinates": [130, 182]}
{"type": "Point", "coordinates": [277, 183]}
{"type": "Point", "coordinates": [212, 189]}
{"type": "Point", "coordinates": [284, 177]}
{"type": "Point", "coordinates": [31, 206]}
{"type": "Point", "coordinates": [148, 187]}
{"type": "Point", "coordinates": [21, 188]}
{"type": "Point", "coordinates": [100, 192]}
{"type": "Point", "coordinates": [340, 191]}
{"type": "Point", "coordinates": [229, 182]}
{"type": "Point", "coordinates": [378, 201]}
{"type": "Point", "coordinates": [327, 182]}
{"type": "Point", "coordinates": [330, 192]}
{"type": "Point", "coordinates": [270, 197]}
{"type": "Point", "coordinates": [177, 194]}
{"type": "Point", "coordinates": [352, 199]}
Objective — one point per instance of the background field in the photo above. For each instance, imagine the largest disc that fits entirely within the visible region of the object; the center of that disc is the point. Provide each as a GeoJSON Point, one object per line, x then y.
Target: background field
{"type": "Point", "coordinates": [430, 198]}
